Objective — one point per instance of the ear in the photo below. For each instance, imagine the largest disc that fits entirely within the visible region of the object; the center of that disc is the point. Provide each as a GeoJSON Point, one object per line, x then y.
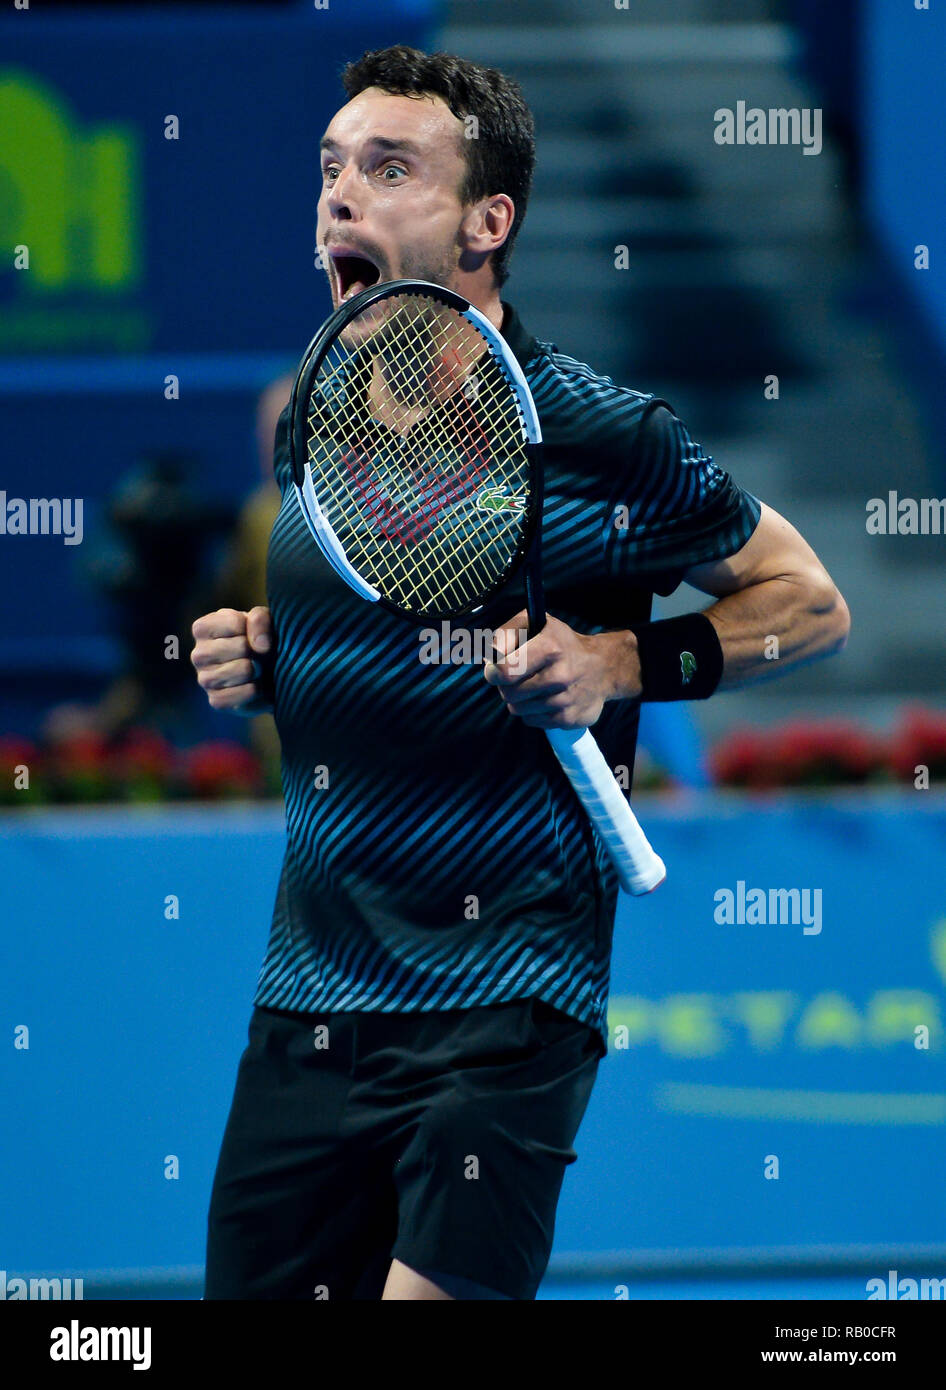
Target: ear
{"type": "Point", "coordinates": [485, 227]}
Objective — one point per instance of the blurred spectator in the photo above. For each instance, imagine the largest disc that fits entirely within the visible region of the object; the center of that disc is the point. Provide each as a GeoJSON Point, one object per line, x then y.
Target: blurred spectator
{"type": "Point", "coordinates": [158, 562]}
{"type": "Point", "coordinates": [242, 579]}
{"type": "Point", "coordinates": [150, 561]}
{"type": "Point", "coordinates": [241, 583]}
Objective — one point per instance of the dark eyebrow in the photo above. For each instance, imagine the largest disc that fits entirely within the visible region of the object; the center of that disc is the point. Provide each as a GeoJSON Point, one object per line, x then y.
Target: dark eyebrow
{"type": "Point", "coordinates": [390, 146]}
{"type": "Point", "coordinates": [380, 142]}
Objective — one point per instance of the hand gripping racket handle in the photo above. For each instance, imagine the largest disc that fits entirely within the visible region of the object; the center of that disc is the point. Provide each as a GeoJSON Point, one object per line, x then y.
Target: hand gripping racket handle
{"type": "Point", "coordinates": [639, 869]}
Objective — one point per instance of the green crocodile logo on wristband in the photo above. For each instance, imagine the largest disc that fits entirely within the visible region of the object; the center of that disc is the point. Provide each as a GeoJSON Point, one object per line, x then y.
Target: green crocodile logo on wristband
{"type": "Point", "coordinates": [687, 666]}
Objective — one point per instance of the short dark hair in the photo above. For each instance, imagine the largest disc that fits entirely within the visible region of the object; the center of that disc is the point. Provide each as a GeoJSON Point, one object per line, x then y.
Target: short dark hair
{"type": "Point", "coordinates": [501, 159]}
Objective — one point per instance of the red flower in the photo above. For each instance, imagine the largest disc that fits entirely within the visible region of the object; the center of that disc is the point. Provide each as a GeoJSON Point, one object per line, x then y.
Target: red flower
{"type": "Point", "coordinates": [798, 754]}
{"type": "Point", "coordinates": [919, 741]}
{"type": "Point", "coordinates": [745, 759]}
{"type": "Point", "coordinates": [143, 764]}
{"type": "Point", "coordinates": [81, 753]}
{"type": "Point", "coordinates": [79, 768]}
{"type": "Point", "coordinates": [222, 769]}
{"type": "Point", "coordinates": [14, 753]}
{"type": "Point", "coordinates": [828, 752]}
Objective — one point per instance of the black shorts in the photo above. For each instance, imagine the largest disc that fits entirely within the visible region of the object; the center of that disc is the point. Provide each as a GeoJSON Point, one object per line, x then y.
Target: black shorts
{"type": "Point", "coordinates": [439, 1139]}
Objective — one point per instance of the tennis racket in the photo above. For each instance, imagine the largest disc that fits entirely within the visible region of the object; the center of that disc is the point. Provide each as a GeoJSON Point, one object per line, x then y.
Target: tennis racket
{"type": "Point", "coordinates": [415, 451]}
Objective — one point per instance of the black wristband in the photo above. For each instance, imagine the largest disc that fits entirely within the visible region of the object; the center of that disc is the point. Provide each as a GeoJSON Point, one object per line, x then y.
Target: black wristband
{"type": "Point", "coordinates": [681, 658]}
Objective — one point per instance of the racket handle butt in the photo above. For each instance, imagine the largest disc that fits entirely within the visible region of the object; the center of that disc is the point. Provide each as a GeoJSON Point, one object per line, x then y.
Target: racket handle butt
{"type": "Point", "coordinates": [646, 881]}
{"type": "Point", "coordinates": [638, 868]}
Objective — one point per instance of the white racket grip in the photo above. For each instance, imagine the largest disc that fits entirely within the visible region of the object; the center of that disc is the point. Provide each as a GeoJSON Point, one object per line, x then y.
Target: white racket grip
{"type": "Point", "coordinates": [639, 869]}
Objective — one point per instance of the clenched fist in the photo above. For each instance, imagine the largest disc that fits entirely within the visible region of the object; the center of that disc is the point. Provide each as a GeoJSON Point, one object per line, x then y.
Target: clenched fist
{"type": "Point", "coordinates": [224, 656]}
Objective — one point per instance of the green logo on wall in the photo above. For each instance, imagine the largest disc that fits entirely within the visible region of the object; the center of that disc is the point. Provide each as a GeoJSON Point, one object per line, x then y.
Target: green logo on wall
{"type": "Point", "coordinates": [70, 193]}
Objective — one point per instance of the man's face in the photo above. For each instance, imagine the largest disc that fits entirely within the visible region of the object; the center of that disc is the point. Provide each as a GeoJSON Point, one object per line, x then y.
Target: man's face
{"type": "Point", "coordinates": [392, 168]}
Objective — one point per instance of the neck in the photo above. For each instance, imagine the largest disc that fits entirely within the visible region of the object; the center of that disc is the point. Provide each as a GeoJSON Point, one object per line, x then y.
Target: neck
{"type": "Point", "coordinates": [492, 308]}
{"type": "Point", "coordinates": [483, 294]}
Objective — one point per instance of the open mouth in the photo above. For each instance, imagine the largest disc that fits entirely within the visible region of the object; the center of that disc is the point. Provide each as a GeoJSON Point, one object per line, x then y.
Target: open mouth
{"type": "Point", "coordinates": [353, 273]}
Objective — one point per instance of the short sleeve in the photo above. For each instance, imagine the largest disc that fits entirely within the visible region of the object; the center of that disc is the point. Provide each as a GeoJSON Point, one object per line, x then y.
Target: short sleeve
{"type": "Point", "coordinates": [673, 507]}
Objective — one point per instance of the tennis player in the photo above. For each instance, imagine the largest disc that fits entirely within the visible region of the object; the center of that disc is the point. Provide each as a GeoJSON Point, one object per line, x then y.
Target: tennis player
{"type": "Point", "coordinates": [432, 1006]}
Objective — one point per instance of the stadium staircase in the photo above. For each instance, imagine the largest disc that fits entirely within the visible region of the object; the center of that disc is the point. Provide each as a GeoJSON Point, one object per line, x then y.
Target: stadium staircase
{"type": "Point", "coordinates": [743, 261]}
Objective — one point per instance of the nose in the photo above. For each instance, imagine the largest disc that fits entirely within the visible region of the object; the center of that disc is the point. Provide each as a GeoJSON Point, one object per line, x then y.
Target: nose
{"type": "Point", "coordinates": [342, 196]}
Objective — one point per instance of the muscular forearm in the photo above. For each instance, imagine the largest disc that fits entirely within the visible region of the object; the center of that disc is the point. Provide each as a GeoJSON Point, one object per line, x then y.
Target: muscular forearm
{"type": "Point", "coordinates": [771, 627]}
{"type": "Point", "coordinates": [764, 630]}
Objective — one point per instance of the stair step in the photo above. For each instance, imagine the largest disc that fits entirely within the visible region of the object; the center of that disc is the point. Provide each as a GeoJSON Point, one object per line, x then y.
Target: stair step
{"type": "Point", "coordinates": [524, 46]}
{"type": "Point", "coordinates": [565, 231]}
{"type": "Point", "coordinates": [742, 262]}
{"type": "Point", "coordinates": [677, 171]}
{"type": "Point", "coordinates": [547, 13]}
{"type": "Point", "coordinates": [702, 220]}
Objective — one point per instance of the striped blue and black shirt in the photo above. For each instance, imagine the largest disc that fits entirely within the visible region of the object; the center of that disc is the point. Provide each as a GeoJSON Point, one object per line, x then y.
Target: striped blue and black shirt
{"type": "Point", "coordinates": [436, 856]}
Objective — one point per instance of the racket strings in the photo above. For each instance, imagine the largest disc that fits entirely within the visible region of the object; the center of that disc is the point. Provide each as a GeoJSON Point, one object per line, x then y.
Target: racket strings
{"type": "Point", "coordinates": [488, 565]}
{"type": "Point", "coordinates": [466, 557]}
{"type": "Point", "coordinates": [431, 515]}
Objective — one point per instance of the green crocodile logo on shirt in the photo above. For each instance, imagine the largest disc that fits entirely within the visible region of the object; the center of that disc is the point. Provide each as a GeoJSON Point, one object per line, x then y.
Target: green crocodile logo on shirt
{"type": "Point", "coordinates": [497, 499]}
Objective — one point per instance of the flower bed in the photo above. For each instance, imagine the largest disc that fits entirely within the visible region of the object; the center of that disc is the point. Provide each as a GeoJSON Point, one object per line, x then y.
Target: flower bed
{"type": "Point", "coordinates": [833, 753]}
{"type": "Point", "coordinates": [141, 766]}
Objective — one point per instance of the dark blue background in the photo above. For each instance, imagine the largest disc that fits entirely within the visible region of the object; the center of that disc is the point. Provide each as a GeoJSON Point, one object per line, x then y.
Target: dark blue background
{"type": "Point", "coordinates": [229, 285]}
